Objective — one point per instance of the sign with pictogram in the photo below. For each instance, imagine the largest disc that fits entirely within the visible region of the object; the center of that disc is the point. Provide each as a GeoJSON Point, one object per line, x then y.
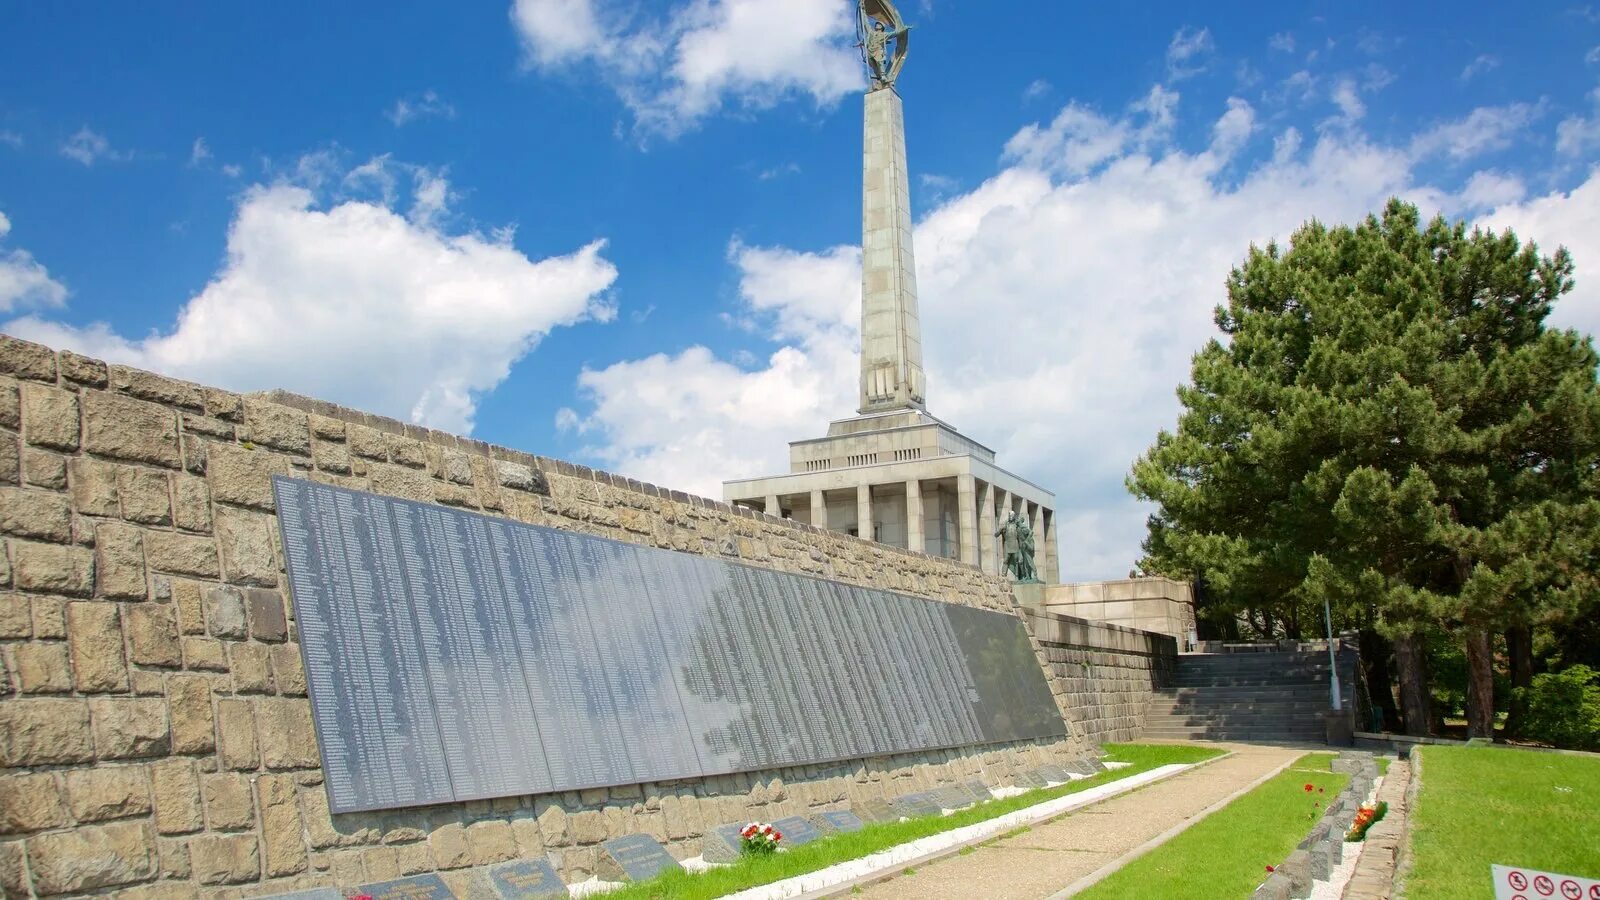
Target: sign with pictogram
{"type": "Point", "coordinates": [1528, 884]}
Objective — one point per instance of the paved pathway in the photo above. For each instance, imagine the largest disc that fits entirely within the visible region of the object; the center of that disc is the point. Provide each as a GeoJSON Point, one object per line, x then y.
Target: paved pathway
{"type": "Point", "coordinates": [1040, 862]}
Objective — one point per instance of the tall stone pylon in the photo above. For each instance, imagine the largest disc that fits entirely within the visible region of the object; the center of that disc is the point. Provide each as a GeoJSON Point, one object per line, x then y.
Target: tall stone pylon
{"type": "Point", "coordinates": [891, 332]}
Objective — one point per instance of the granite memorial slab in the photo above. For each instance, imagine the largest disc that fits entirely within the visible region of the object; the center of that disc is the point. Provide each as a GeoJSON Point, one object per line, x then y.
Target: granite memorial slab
{"type": "Point", "coordinates": [979, 791]}
{"type": "Point", "coordinates": [417, 887]}
{"type": "Point", "coordinates": [1055, 773]}
{"type": "Point", "coordinates": [952, 797]}
{"type": "Point", "coordinates": [875, 811]}
{"type": "Point", "coordinates": [914, 805]}
{"type": "Point", "coordinates": [722, 844]}
{"type": "Point", "coordinates": [1084, 767]}
{"type": "Point", "coordinates": [525, 879]}
{"type": "Point", "coordinates": [323, 893]}
{"type": "Point", "coordinates": [837, 821]}
{"type": "Point", "coordinates": [633, 857]}
{"type": "Point", "coordinates": [440, 645]}
{"type": "Point", "coordinates": [797, 831]}
{"type": "Point", "coordinates": [1029, 780]}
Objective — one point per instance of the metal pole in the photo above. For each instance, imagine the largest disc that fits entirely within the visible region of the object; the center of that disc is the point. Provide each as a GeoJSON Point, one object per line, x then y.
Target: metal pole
{"type": "Point", "coordinates": [1333, 659]}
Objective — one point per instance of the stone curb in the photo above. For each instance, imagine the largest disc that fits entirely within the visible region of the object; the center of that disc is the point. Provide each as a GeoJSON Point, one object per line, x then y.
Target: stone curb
{"type": "Point", "coordinates": [1323, 847]}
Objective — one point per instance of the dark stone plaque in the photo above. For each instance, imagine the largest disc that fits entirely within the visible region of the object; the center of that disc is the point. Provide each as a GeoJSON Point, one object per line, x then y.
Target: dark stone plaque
{"type": "Point", "coordinates": [922, 803]}
{"type": "Point", "coordinates": [722, 844]}
{"type": "Point", "coordinates": [797, 831]}
{"type": "Point", "coordinates": [452, 656]}
{"type": "Point", "coordinates": [1055, 773]}
{"type": "Point", "coordinates": [1029, 780]}
{"type": "Point", "coordinates": [634, 857]}
{"type": "Point", "coordinates": [1084, 767]}
{"type": "Point", "coordinates": [525, 879]}
{"type": "Point", "coordinates": [325, 893]}
{"type": "Point", "coordinates": [875, 811]}
{"type": "Point", "coordinates": [417, 887]}
{"type": "Point", "coordinates": [953, 797]}
{"type": "Point", "coordinates": [837, 821]}
{"type": "Point", "coordinates": [979, 791]}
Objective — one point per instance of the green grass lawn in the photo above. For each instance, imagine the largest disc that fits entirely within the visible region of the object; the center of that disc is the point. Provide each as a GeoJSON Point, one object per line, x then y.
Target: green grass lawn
{"type": "Point", "coordinates": [1226, 853]}
{"type": "Point", "coordinates": [1484, 805]}
{"type": "Point", "coordinates": [748, 873]}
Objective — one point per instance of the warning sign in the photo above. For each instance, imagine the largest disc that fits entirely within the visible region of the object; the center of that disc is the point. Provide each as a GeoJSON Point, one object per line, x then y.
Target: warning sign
{"type": "Point", "coordinates": [1530, 884]}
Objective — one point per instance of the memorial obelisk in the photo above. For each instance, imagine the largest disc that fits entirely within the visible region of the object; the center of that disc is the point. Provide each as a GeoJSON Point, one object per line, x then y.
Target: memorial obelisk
{"type": "Point", "coordinates": [891, 335]}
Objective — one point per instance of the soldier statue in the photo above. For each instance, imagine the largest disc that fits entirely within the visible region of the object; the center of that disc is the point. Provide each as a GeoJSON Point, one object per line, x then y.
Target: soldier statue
{"type": "Point", "coordinates": [1019, 545]}
{"type": "Point", "coordinates": [883, 35]}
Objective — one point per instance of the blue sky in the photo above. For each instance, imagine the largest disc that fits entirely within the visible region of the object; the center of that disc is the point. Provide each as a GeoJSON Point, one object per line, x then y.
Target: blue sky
{"type": "Point", "coordinates": [625, 233]}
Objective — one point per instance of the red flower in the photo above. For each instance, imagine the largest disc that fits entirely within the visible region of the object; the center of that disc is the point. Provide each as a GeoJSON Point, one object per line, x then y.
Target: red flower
{"type": "Point", "coordinates": [777, 835]}
{"type": "Point", "coordinates": [1309, 787]}
{"type": "Point", "coordinates": [1271, 869]}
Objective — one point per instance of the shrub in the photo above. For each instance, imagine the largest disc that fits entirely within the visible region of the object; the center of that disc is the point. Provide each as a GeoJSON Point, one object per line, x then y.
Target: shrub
{"type": "Point", "coordinates": [1564, 708]}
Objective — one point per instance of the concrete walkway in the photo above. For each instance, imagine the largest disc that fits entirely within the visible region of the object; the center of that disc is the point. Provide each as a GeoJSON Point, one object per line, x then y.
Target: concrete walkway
{"type": "Point", "coordinates": [1040, 862]}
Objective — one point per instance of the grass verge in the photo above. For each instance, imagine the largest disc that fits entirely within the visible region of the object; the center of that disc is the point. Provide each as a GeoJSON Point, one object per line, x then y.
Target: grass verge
{"type": "Point", "coordinates": [1226, 853]}
{"type": "Point", "coordinates": [1484, 805]}
{"type": "Point", "coordinates": [840, 848]}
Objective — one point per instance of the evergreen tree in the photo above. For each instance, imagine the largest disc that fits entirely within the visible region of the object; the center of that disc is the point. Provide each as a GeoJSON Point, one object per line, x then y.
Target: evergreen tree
{"type": "Point", "coordinates": [1390, 424]}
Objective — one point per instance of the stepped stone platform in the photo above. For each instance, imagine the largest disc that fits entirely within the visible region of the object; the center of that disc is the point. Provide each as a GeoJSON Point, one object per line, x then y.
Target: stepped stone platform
{"type": "Point", "coordinates": [1256, 697]}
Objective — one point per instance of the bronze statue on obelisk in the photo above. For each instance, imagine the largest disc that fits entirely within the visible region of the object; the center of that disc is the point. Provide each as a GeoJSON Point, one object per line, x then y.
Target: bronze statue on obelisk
{"type": "Point", "coordinates": [883, 38]}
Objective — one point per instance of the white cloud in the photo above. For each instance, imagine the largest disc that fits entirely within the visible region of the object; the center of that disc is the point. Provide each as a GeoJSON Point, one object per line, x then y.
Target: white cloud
{"type": "Point", "coordinates": [1593, 56]}
{"type": "Point", "coordinates": [89, 147]}
{"type": "Point", "coordinates": [23, 281]}
{"type": "Point", "coordinates": [1577, 134]}
{"type": "Point", "coordinates": [703, 55]}
{"type": "Point", "coordinates": [1036, 88]}
{"type": "Point", "coordinates": [1061, 301]}
{"type": "Point", "coordinates": [779, 171]}
{"type": "Point", "coordinates": [1484, 130]}
{"type": "Point", "coordinates": [427, 105]}
{"type": "Point", "coordinates": [353, 301]}
{"type": "Point", "coordinates": [1283, 42]}
{"type": "Point", "coordinates": [11, 139]}
{"type": "Point", "coordinates": [1188, 53]}
{"type": "Point", "coordinates": [1570, 219]}
{"type": "Point", "coordinates": [199, 152]}
{"type": "Point", "coordinates": [1484, 63]}
{"type": "Point", "coordinates": [1348, 99]}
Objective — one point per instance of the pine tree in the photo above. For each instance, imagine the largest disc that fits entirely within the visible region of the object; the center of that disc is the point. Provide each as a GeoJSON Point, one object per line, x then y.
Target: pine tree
{"type": "Point", "coordinates": [1389, 423]}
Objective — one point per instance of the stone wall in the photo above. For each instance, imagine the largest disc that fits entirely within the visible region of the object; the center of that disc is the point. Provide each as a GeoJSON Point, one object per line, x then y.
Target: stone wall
{"type": "Point", "coordinates": [155, 736]}
{"type": "Point", "coordinates": [1108, 672]}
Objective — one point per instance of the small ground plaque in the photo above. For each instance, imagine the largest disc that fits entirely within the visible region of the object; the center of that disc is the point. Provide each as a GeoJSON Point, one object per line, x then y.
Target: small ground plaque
{"type": "Point", "coordinates": [797, 831]}
{"type": "Point", "coordinates": [525, 879]}
{"type": "Point", "coordinates": [1085, 766]}
{"type": "Point", "coordinates": [838, 820]}
{"type": "Point", "coordinates": [914, 805]}
{"type": "Point", "coordinates": [312, 894]}
{"type": "Point", "coordinates": [722, 843]}
{"type": "Point", "coordinates": [1057, 774]}
{"type": "Point", "coordinates": [1029, 780]}
{"type": "Point", "coordinates": [633, 857]}
{"type": "Point", "coordinates": [952, 797]}
{"type": "Point", "coordinates": [978, 790]}
{"type": "Point", "coordinates": [417, 887]}
{"type": "Point", "coordinates": [875, 811]}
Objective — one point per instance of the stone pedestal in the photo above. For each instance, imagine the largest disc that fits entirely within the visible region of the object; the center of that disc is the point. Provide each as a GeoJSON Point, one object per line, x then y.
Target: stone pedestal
{"type": "Point", "coordinates": [1030, 596]}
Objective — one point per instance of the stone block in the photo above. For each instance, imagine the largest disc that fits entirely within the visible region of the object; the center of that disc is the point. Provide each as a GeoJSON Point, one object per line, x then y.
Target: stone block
{"type": "Point", "coordinates": [236, 736]}
{"type": "Point", "coordinates": [30, 803]}
{"type": "Point", "coordinates": [246, 542]}
{"type": "Point", "coordinates": [40, 515]}
{"type": "Point", "coordinates": [172, 858]}
{"type": "Point", "coordinates": [15, 619]}
{"type": "Point", "coordinates": [94, 631]}
{"type": "Point", "coordinates": [129, 728]}
{"type": "Point", "coordinates": [52, 569]}
{"type": "Point", "coordinates": [44, 732]}
{"type": "Point", "coordinates": [267, 621]}
{"type": "Point", "coordinates": [288, 672]}
{"type": "Point", "coordinates": [146, 496]}
{"type": "Point", "coordinates": [331, 457]}
{"type": "Point", "coordinates": [85, 859]}
{"type": "Point", "coordinates": [491, 841]}
{"type": "Point", "coordinates": [175, 789]}
{"type": "Point", "coordinates": [181, 554]}
{"type": "Point", "coordinates": [288, 740]}
{"type": "Point", "coordinates": [191, 509]}
{"type": "Point", "coordinates": [10, 459]}
{"type": "Point", "coordinates": [13, 871]}
{"type": "Point", "coordinates": [42, 668]}
{"type": "Point", "coordinates": [243, 477]}
{"type": "Point", "coordinates": [225, 613]}
{"type": "Point", "coordinates": [189, 703]}
{"type": "Point", "coordinates": [397, 481]}
{"type": "Point", "coordinates": [44, 469]}
{"type": "Point", "coordinates": [229, 801]}
{"type": "Point", "coordinates": [367, 442]}
{"type": "Point", "coordinates": [92, 485]}
{"type": "Point", "coordinates": [159, 388]}
{"type": "Point", "coordinates": [279, 427]}
{"type": "Point", "coordinates": [1276, 887]}
{"type": "Point", "coordinates": [133, 430]}
{"type": "Point", "coordinates": [252, 673]}
{"type": "Point", "coordinates": [118, 792]}
{"type": "Point", "coordinates": [1297, 869]}
{"type": "Point", "coordinates": [450, 847]}
{"type": "Point", "coordinates": [81, 369]}
{"type": "Point", "coordinates": [189, 599]}
{"type": "Point", "coordinates": [225, 858]}
{"type": "Point", "coordinates": [25, 359]}
{"type": "Point", "coordinates": [119, 562]}
{"type": "Point", "coordinates": [283, 848]}
{"type": "Point", "coordinates": [49, 417]}
{"type": "Point", "coordinates": [10, 404]}
{"type": "Point", "coordinates": [152, 630]}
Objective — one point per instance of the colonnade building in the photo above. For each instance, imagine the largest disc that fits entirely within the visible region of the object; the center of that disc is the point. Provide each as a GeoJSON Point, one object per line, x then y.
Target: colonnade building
{"type": "Point", "coordinates": [893, 473]}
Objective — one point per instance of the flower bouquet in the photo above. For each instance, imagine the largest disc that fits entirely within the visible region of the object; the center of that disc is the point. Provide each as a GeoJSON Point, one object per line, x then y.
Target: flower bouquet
{"type": "Point", "coordinates": [1366, 817]}
{"type": "Point", "coordinates": [759, 839]}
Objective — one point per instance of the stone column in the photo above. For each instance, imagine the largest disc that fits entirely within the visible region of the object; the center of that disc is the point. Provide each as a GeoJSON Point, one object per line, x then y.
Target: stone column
{"type": "Point", "coordinates": [915, 541]}
{"type": "Point", "coordinates": [774, 508]}
{"type": "Point", "coordinates": [819, 510]}
{"type": "Point", "coordinates": [986, 526]}
{"type": "Point", "coordinates": [864, 511]}
{"type": "Point", "coordinates": [1039, 546]}
{"type": "Point", "coordinates": [1052, 560]}
{"type": "Point", "coordinates": [891, 332]}
{"type": "Point", "coordinates": [967, 516]}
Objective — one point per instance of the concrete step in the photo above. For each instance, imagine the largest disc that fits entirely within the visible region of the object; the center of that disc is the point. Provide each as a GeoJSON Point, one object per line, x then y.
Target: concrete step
{"type": "Point", "coordinates": [1223, 690]}
{"type": "Point", "coordinates": [1236, 734]}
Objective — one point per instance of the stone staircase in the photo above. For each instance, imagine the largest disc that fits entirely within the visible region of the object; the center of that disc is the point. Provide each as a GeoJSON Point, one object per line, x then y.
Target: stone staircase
{"type": "Point", "coordinates": [1258, 697]}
